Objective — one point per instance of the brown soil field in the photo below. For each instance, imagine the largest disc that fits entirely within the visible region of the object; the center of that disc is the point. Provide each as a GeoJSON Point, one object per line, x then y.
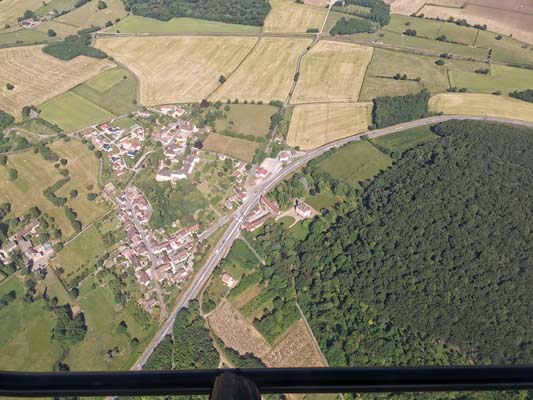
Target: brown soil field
{"type": "Point", "coordinates": [519, 24]}
{"type": "Point", "coordinates": [178, 69]}
{"type": "Point", "coordinates": [332, 72]}
{"type": "Point", "coordinates": [233, 147]}
{"type": "Point", "coordinates": [316, 3]}
{"type": "Point", "coordinates": [313, 125]}
{"type": "Point", "coordinates": [295, 349]}
{"type": "Point", "coordinates": [266, 74]}
{"type": "Point", "coordinates": [406, 7]}
{"type": "Point", "coordinates": [38, 77]}
{"type": "Point", "coordinates": [236, 331]}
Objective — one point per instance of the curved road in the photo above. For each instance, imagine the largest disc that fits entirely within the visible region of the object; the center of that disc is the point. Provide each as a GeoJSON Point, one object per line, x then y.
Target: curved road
{"type": "Point", "coordinates": [233, 230]}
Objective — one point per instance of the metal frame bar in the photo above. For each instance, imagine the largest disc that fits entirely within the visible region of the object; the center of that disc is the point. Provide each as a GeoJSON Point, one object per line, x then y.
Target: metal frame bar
{"type": "Point", "coordinates": [269, 380]}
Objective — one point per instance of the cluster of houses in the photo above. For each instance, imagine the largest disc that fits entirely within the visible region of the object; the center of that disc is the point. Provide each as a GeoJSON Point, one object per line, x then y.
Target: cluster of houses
{"type": "Point", "coordinates": [38, 255]}
{"type": "Point", "coordinates": [264, 210]}
{"type": "Point", "coordinates": [272, 165]}
{"type": "Point", "coordinates": [117, 143]}
{"type": "Point", "coordinates": [153, 256]}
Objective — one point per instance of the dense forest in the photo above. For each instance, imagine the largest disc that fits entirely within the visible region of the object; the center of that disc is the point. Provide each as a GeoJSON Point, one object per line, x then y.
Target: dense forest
{"type": "Point", "coordinates": [379, 10]}
{"type": "Point", "coordinates": [433, 265]}
{"type": "Point", "coordinates": [393, 110]}
{"type": "Point", "coordinates": [74, 46]}
{"type": "Point", "coordinates": [246, 12]}
{"type": "Point", "coordinates": [192, 346]}
{"type": "Point", "coordinates": [352, 25]}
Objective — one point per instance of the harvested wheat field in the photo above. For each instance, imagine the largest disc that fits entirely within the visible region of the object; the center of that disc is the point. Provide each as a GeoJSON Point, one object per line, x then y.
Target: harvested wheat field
{"type": "Point", "coordinates": [266, 74]}
{"type": "Point", "coordinates": [331, 72]}
{"type": "Point", "coordinates": [313, 125]}
{"type": "Point", "coordinates": [482, 104]}
{"type": "Point", "coordinates": [178, 69]}
{"type": "Point", "coordinates": [295, 348]}
{"type": "Point", "coordinates": [289, 16]}
{"type": "Point", "coordinates": [38, 77]}
{"type": "Point", "coordinates": [518, 24]}
{"type": "Point", "coordinates": [406, 7]}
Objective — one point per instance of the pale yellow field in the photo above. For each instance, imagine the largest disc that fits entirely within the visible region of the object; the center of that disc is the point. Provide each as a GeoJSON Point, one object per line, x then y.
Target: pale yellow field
{"type": "Point", "coordinates": [38, 77]}
{"type": "Point", "coordinates": [313, 125]}
{"type": "Point", "coordinates": [288, 16]}
{"type": "Point", "coordinates": [178, 69]}
{"type": "Point", "coordinates": [266, 74]}
{"type": "Point", "coordinates": [332, 71]}
{"type": "Point", "coordinates": [482, 104]}
{"type": "Point", "coordinates": [10, 10]}
{"type": "Point", "coordinates": [518, 24]}
{"type": "Point", "coordinates": [406, 7]}
{"type": "Point", "coordinates": [89, 15]}
{"type": "Point", "coordinates": [60, 28]}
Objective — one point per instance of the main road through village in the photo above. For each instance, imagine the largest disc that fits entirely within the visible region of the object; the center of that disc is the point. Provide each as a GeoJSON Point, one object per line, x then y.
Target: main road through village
{"type": "Point", "coordinates": [253, 197]}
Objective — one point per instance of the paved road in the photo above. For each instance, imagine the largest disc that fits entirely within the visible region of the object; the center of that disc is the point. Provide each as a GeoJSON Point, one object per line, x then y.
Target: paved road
{"type": "Point", "coordinates": [233, 231]}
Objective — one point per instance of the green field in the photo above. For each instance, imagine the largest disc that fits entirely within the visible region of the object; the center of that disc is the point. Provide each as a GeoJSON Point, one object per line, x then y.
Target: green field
{"type": "Point", "coordinates": [459, 34]}
{"type": "Point", "coordinates": [55, 288]}
{"type": "Point", "coordinates": [240, 259]}
{"type": "Point", "coordinates": [111, 91]}
{"type": "Point", "coordinates": [59, 5]}
{"type": "Point", "coordinates": [102, 316]}
{"type": "Point", "coordinates": [501, 78]}
{"type": "Point", "coordinates": [286, 220]}
{"type": "Point", "coordinates": [324, 199]}
{"type": "Point", "coordinates": [25, 332]}
{"type": "Point", "coordinates": [136, 23]}
{"type": "Point", "coordinates": [124, 123]}
{"type": "Point", "coordinates": [386, 63]}
{"type": "Point", "coordinates": [80, 254]}
{"type": "Point", "coordinates": [423, 27]}
{"type": "Point", "coordinates": [356, 162]}
{"type": "Point", "coordinates": [506, 49]}
{"type": "Point", "coordinates": [247, 119]}
{"type": "Point", "coordinates": [23, 36]}
{"type": "Point", "coordinates": [72, 112]}
{"type": "Point", "coordinates": [402, 141]}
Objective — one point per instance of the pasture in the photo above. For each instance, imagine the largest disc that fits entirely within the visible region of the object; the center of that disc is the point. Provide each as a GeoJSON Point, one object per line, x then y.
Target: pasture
{"type": "Point", "coordinates": [102, 316]}
{"type": "Point", "coordinates": [79, 255]}
{"type": "Point", "coordinates": [405, 140]}
{"type": "Point", "coordinates": [332, 72]}
{"type": "Point", "coordinates": [518, 23]}
{"type": "Point", "coordinates": [178, 69]}
{"type": "Point", "coordinates": [248, 119]}
{"type": "Point", "coordinates": [34, 175]}
{"type": "Point", "coordinates": [23, 36]}
{"type": "Point", "coordinates": [356, 162]}
{"type": "Point", "coordinates": [233, 147]}
{"type": "Point", "coordinates": [60, 28]}
{"type": "Point", "coordinates": [506, 49]}
{"type": "Point", "coordinates": [59, 5]}
{"type": "Point", "coordinates": [289, 17]}
{"type": "Point", "coordinates": [118, 99]}
{"type": "Point", "coordinates": [313, 125]}
{"type": "Point", "coordinates": [324, 199]}
{"type": "Point", "coordinates": [83, 169]}
{"type": "Point", "coordinates": [38, 77]}
{"type": "Point", "coordinates": [266, 74]}
{"type": "Point", "coordinates": [72, 112]}
{"type": "Point", "coordinates": [25, 332]}
{"type": "Point", "coordinates": [386, 63]}
{"type": "Point", "coordinates": [89, 15]}
{"type": "Point", "coordinates": [481, 104]}
{"type": "Point", "coordinates": [501, 78]}
{"type": "Point", "coordinates": [139, 24]}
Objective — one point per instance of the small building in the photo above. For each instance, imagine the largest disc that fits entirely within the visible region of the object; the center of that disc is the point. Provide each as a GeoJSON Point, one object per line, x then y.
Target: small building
{"type": "Point", "coordinates": [228, 280]}
{"type": "Point", "coordinates": [272, 207]}
{"type": "Point", "coordinates": [303, 210]}
{"type": "Point", "coordinates": [143, 278]}
{"type": "Point", "coordinates": [261, 173]}
{"type": "Point", "coordinates": [163, 175]}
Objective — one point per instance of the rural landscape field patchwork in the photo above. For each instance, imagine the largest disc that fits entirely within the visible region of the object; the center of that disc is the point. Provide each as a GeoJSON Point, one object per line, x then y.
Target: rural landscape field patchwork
{"type": "Point", "coordinates": [265, 184]}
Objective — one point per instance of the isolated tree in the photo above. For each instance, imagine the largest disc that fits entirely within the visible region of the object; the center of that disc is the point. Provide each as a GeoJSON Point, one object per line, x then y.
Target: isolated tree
{"type": "Point", "coordinates": [3, 160]}
{"type": "Point", "coordinates": [439, 62]}
{"type": "Point", "coordinates": [13, 174]}
{"type": "Point", "coordinates": [10, 86]}
{"type": "Point", "coordinates": [221, 79]}
{"type": "Point", "coordinates": [73, 193]}
{"type": "Point", "coordinates": [101, 5]}
{"type": "Point", "coordinates": [51, 33]}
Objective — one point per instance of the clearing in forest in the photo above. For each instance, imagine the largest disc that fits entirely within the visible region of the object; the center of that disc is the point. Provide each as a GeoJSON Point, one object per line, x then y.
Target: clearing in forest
{"type": "Point", "coordinates": [266, 74]}
{"type": "Point", "coordinates": [38, 77]}
{"type": "Point", "coordinates": [289, 16]}
{"type": "Point", "coordinates": [332, 72]}
{"type": "Point", "coordinates": [482, 104]}
{"type": "Point", "coordinates": [178, 69]}
{"type": "Point", "coordinates": [234, 147]}
{"type": "Point", "coordinates": [313, 125]}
